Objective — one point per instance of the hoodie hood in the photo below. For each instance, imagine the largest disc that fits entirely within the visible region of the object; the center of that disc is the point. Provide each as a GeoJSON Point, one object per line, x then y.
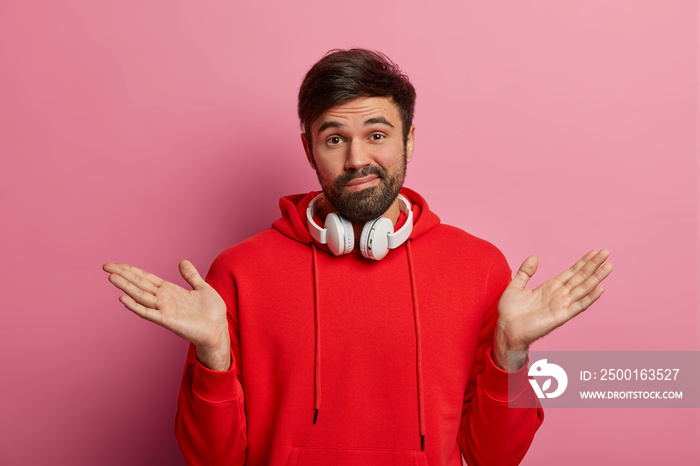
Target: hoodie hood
{"type": "Point", "coordinates": [293, 220]}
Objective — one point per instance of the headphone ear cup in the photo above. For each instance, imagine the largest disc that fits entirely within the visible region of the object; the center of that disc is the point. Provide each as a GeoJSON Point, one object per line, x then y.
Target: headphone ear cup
{"type": "Point", "coordinates": [340, 236]}
{"type": "Point", "coordinates": [374, 241]}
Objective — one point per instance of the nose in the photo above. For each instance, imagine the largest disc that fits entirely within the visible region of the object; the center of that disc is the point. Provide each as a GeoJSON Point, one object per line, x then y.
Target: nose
{"type": "Point", "coordinates": [358, 156]}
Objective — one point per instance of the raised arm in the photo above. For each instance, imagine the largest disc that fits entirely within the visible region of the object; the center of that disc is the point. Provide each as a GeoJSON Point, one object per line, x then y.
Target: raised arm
{"type": "Point", "coordinates": [210, 425]}
{"type": "Point", "coordinates": [493, 431]}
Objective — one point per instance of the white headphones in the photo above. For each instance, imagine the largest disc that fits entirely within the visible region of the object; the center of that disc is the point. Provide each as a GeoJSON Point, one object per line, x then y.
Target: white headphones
{"type": "Point", "coordinates": [377, 236]}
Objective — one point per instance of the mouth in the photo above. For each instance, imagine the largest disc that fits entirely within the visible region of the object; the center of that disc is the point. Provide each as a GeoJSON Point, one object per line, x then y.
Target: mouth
{"type": "Point", "coordinates": [358, 184]}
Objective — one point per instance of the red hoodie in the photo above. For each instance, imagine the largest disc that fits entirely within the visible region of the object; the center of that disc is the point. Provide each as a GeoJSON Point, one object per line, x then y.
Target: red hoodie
{"type": "Point", "coordinates": [349, 361]}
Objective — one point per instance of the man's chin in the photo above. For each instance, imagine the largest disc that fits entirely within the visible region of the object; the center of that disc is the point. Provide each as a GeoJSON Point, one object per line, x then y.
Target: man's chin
{"type": "Point", "coordinates": [366, 204]}
{"type": "Point", "coordinates": [363, 206]}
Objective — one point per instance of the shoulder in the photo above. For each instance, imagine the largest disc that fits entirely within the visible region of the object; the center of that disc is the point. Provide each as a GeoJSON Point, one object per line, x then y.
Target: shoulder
{"type": "Point", "coordinates": [452, 248]}
{"type": "Point", "coordinates": [264, 247]}
{"type": "Point", "coordinates": [465, 262]}
{"type": "Point", "coordinates": [457, 240]}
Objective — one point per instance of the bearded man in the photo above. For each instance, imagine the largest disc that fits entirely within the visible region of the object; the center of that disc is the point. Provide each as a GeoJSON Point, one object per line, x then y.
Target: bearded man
{"type": "Point", "coordinates": [359, 330]}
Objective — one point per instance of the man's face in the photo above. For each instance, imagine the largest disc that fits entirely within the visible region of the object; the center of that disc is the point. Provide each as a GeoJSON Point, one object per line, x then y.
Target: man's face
{"type": "Point", "coordinates": [358, 153]}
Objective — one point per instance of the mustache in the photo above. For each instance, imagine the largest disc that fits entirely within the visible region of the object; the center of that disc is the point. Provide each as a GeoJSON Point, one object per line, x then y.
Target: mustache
{"type": "Point", "coordinates": [345, 178]}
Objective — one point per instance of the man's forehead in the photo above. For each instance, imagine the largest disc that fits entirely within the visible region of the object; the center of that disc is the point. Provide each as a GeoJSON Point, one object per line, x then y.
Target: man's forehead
{"type": "Point", "coordinates": [362, 109]}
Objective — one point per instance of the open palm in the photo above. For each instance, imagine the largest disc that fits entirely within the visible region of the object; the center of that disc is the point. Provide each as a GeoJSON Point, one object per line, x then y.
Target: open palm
{"type": "Point", "coordinates": [198, 315]}
{"type": "Point", "coordinates": [527, 315]}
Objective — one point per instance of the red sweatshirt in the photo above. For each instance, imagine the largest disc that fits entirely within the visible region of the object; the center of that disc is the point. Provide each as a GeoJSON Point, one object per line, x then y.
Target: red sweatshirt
{"type": "Point", "coordinates": [348, 361]}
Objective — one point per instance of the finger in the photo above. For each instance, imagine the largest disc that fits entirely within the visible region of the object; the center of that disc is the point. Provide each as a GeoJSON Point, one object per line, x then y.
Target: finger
{"type": "Point", "coordinates": [591, 283]}
{"type": "Point", "coordinates": [141, 311]}
{"type": "Point", "coordinates": [568, 273]}
{"type": "Point", "coordinates": [138, 280]}
{"type": "Point", "coordinates": [118, 267]}
{"type": "Point", "coordinates": [525, 273]}
{"type": "Point", "coordinates": [109, 267]}
{"type": "Point", "coordinates": [580, 306]}
{"type": "Point", "coordinates": [190, 274]}
{"type": "Point", "coordinates": [588, 269]}
{"type": "Point", "coordinates": [136, 293]}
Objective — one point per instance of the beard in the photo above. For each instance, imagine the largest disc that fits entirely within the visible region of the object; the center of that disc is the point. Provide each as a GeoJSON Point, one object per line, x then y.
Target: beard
{"type": "Point", "coordinates": [369, 203]}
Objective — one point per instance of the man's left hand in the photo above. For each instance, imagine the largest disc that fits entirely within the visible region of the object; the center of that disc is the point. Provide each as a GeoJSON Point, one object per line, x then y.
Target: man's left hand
{"type": "Point", "coordinates": [527, 315]}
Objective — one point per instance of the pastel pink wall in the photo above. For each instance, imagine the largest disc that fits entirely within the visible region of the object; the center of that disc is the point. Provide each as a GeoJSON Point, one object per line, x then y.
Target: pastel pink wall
{"type": "Point", "coordinates": [149, 132]}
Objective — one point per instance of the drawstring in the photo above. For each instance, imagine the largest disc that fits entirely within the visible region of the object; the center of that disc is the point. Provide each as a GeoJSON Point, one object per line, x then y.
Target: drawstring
{"type": "Point", "coordinates": [419, 355]}
{"type": "Point", "coordinates": [317, 337]}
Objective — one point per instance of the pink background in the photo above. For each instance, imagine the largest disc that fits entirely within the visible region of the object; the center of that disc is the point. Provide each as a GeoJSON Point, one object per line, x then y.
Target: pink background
{"type": "Point", "coordinates": [148, 132]}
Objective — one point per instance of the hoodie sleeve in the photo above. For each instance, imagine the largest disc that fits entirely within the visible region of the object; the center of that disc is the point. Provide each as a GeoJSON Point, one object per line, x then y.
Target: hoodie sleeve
{"type": "Point", "coordinates": [491, 432]}
{"type": "Point", "coordinates": [210, 425]}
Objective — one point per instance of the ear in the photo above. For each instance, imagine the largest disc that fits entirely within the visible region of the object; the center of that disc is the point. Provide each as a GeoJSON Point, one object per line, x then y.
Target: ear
{"type": "Point", "coordinates": [409, 143]}
{"type": "Point", "coordinates": [307, 148]}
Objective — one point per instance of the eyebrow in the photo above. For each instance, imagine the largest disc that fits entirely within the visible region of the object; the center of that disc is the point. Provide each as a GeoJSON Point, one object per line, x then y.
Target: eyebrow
{"type": "Point", "coordinates": [336, 124]}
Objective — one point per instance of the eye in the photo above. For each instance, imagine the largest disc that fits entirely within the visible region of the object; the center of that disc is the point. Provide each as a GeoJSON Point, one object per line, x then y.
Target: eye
{"type": "Point", "coordinates": [377, 137]}
{"type": "Point", "coordinates": [334, 140]}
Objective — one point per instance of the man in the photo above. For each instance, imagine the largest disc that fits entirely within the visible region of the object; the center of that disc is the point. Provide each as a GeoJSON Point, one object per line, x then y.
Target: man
{"type": "Point", "coordinates": [358, 330]}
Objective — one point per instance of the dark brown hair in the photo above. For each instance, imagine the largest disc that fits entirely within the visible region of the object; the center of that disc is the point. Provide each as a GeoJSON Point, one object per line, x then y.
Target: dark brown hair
{"type": "Point", "coordinates": [343, 75]}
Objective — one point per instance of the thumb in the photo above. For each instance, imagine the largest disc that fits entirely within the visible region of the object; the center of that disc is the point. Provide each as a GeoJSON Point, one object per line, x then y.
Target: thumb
{"type": "Point", "coordinates": [190, 274]}
{"type": "Point", "coordinates": [525, 273]}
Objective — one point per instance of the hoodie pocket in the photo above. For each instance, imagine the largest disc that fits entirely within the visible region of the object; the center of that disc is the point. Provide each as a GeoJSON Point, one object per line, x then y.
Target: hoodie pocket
{"type": "Point", "coordinates": [341, 457]}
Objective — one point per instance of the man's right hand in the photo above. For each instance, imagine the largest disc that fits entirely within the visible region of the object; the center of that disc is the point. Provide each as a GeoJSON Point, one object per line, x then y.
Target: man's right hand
{"type": "Point", "coordinates": [198, 316]}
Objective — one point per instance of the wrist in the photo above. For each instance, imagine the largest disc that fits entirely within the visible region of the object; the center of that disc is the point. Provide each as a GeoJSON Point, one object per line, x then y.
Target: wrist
{"type": "Point", "coordinates": [506, 355]}
{"type": "Point", "coordinates": [215, 359]}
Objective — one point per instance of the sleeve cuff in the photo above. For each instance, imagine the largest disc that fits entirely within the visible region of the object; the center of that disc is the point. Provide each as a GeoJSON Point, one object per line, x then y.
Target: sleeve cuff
{"type": "Point", "coordinates": [496, 380]}
{"type": "Point", "coordinates": [215, 386]}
